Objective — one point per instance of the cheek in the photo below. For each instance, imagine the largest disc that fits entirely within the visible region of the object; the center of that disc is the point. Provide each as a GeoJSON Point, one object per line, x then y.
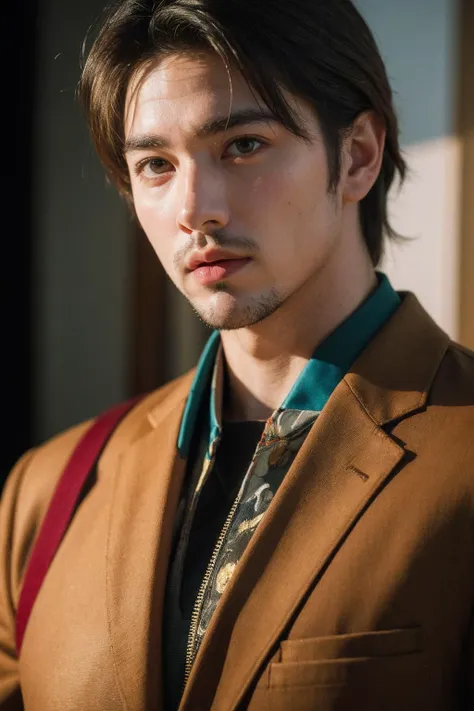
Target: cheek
{"type": "Point", "coordinates": [294, 191]}
{"type": "Point", "coordinates": [158, 227]}
{"type": "Point", "coordinates": [298, 222]}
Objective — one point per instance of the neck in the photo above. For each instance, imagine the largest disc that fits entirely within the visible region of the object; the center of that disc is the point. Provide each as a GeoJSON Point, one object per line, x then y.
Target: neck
{"type": "Point", "coordinates": [264, 361]}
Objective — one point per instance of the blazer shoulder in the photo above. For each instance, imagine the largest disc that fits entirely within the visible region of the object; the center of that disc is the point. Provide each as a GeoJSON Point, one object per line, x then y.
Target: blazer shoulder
{"type": "Point", "coordinates": [456, 372]}
{"type": "Point", "coordinates": [31, 484]}
{"type": "Point", "coordinates": [42, 466]}
{"type": "Point", "coordinates": [451, 395]}
{"type": "Point", "coordinates": [463, 354]}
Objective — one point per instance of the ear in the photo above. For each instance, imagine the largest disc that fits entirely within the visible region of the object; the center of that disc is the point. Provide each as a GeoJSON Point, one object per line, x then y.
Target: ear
{"type": "Point", "coordinates": [363, 149]}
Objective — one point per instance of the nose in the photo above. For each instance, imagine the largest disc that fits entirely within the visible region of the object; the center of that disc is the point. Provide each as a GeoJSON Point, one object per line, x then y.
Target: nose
{"type": "Point", "coordinates": [203, 198]}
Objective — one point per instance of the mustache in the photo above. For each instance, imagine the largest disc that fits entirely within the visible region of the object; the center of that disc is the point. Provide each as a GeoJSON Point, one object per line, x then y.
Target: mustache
{"type": "Point", "coordinates": [219, 238]}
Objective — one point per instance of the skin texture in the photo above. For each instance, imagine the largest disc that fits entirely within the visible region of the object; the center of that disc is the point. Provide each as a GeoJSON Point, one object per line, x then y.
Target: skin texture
{"type": "Point", "coordinates": [254, 191]}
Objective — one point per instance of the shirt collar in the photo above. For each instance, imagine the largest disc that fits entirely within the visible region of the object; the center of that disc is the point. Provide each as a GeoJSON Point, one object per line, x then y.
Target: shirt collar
{"type": "Point", "coordinates": [199, 388]}
{"type": "Point", "coordinates": [328, 365]}
{"type": "Point", "coordinates": [333, 357]}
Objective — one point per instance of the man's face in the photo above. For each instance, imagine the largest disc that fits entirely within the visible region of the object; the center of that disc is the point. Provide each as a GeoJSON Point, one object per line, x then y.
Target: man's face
{"type": "Point", "coordinates": [236, 207]}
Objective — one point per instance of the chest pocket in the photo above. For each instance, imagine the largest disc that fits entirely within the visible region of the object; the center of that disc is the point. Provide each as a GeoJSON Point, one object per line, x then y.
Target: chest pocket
{"type": "Point", "coordinates": [352, 646]}
{"type": "Point", "coordinates": [370, 671]}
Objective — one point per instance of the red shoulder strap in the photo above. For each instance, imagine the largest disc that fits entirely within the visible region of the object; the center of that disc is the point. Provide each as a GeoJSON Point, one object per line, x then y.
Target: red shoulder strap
{"type": "Point", "coordinates": [61, 509]}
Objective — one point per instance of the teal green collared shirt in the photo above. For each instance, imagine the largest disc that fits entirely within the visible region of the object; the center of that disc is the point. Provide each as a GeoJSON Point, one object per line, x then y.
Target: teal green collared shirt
{"type": "Point", "coordinates": [328, 365]}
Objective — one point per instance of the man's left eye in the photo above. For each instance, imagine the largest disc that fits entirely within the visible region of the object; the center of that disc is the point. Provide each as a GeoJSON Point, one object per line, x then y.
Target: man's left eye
{"type": "Point", "coordinates": [244, 147]}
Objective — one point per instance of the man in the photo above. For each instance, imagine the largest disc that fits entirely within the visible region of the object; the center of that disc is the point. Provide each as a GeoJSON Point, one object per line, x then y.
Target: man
{"type": "Point", "coordinates": [290, 525]}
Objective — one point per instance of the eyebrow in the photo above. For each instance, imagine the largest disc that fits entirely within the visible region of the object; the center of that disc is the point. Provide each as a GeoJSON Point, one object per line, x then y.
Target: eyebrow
{"type": "Point", "coordinates": [210, 128]}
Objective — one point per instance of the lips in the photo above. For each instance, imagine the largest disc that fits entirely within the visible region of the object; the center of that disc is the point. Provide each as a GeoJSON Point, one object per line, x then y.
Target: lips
{"type": "Point", "coordinates": [214, 256]}
{"type": "Point", "coordinates": [208, 273]}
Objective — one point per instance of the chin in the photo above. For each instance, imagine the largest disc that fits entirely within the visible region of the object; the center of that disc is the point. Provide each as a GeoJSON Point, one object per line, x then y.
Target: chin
{"type": "Point", "coordinates": [225, 312]}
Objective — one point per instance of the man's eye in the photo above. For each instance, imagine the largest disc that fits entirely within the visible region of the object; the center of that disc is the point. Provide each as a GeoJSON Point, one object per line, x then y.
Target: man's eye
{"type": "Point", "coordinates": [151, 167]}
{"type": "Point", "coordinates": [244, 147]}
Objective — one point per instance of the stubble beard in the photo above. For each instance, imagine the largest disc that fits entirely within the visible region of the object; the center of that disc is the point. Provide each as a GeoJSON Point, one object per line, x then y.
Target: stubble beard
{"type": "Point", "coordinates": [236, 316]}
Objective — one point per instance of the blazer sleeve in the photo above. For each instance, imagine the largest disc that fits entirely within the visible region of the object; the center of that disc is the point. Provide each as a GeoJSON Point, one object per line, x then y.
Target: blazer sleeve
{"type": "Point", "coordinates": [10, 581]}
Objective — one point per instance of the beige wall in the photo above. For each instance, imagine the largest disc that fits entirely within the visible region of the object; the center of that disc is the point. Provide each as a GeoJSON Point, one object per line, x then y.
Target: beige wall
{"type": "Point", "coordinates": [466, 137]}
{"type": "Point", "coordinates": [427, 212]}
{"type": "Point", "coordinates": [419, 40]}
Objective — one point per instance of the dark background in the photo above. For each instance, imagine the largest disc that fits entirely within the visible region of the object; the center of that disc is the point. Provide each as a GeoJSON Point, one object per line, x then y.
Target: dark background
{"type": "Point", "coordinates": [17, 59]}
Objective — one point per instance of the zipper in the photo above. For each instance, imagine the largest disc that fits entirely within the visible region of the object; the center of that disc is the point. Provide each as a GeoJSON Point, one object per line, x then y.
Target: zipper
{"type": "Point", "coordinates": [202, 590]}
{"type": "Point", "coordinates": [197, 609]}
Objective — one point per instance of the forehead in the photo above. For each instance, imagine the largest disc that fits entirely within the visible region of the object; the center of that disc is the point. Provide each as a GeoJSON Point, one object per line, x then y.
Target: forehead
{"type": "Point", "coordinates": [183, 91]}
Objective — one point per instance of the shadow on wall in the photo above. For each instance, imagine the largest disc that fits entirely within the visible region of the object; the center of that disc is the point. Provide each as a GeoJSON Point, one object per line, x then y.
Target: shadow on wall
{"type": "Point", "coordinates": [466, 134]}
{"type": "Point", "coordinates": [18, 85]}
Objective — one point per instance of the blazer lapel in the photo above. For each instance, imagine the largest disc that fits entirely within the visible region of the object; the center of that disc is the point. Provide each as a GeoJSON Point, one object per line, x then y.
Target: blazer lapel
{"type": "Point", "coordinates": [346, 460]}
{"type": "Point", "coordinates": [147, 489]}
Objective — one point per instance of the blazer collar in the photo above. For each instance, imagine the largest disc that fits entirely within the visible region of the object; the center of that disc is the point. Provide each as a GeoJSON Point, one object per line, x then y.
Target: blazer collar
{"type": "Point", "coordinates": [393, 375]}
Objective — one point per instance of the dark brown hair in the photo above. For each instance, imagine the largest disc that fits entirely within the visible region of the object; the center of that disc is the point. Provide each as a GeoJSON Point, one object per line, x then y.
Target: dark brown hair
{"type": "Point", "coordinates": [319, 50]}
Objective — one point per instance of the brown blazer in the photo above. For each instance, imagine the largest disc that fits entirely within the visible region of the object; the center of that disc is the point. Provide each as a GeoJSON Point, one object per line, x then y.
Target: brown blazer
{"type": "Point", "coordinates": [356, 591]}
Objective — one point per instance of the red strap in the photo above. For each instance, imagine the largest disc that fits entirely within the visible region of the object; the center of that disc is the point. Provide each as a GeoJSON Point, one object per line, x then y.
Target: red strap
{"type": "Point", "coordinates": [61, 510]}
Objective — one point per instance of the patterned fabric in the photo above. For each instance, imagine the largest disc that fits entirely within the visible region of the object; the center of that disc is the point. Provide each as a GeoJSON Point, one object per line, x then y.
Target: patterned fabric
{"type": "Point", "coordinates": [283, 436]}
{"type": "Point", "coordinates": [284, 433]}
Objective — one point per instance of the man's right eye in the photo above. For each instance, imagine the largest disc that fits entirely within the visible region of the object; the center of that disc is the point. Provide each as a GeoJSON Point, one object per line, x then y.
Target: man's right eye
{"type": "Point", "coordinates": [152, 167]}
